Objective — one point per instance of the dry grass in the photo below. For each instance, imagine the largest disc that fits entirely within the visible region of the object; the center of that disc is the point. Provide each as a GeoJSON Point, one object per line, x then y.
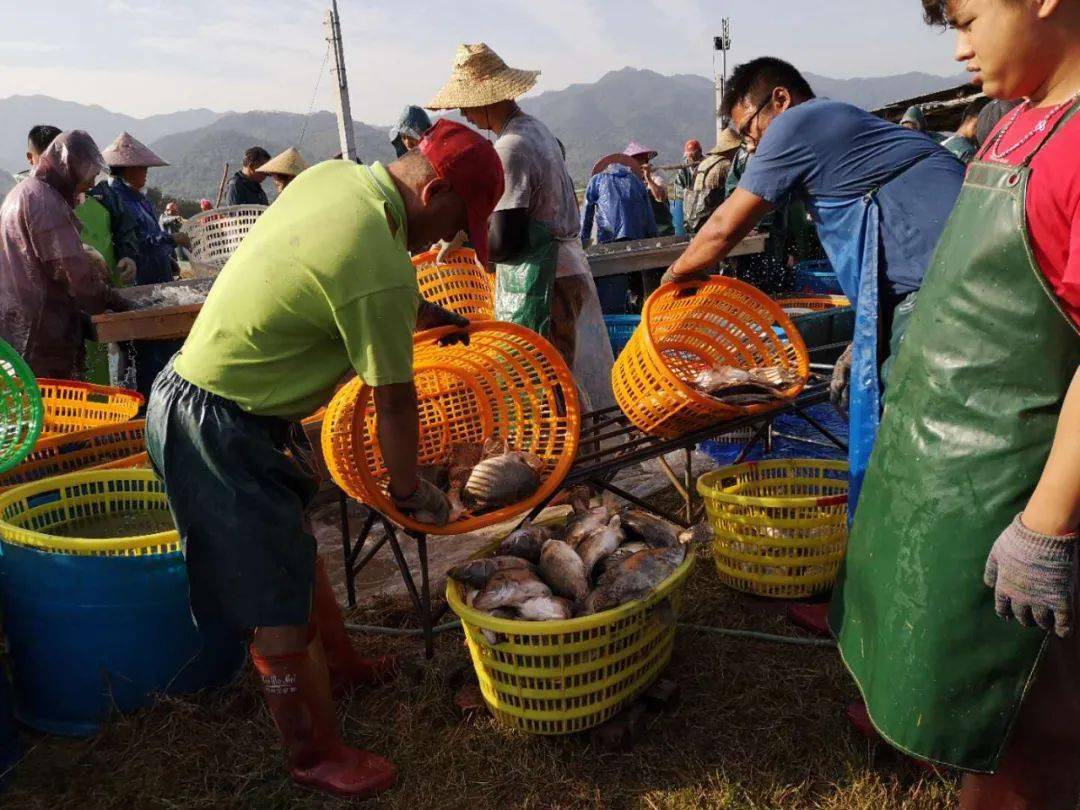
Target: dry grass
{"type": "Point", "coordinates": [759, 726]}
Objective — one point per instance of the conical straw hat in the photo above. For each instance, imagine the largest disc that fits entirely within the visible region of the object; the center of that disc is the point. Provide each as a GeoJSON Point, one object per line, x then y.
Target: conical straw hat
{"type": "Point", "coordinates": [288, 162]}
{"type": "Point", "coordinates": [126, 151]}
{"type": "Point", "coordinates": [480, 78]}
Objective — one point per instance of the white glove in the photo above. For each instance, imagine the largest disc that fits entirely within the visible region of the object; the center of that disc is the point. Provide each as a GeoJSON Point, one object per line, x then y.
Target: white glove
{"type": "Point", "coordinates": [126, 269]}
{"type": "Point", "coordinates": [445, 248]}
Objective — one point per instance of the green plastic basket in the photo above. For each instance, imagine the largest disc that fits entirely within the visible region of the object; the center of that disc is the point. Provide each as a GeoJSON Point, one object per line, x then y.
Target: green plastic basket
{"type": "Point", "coordinates": [21, 411]}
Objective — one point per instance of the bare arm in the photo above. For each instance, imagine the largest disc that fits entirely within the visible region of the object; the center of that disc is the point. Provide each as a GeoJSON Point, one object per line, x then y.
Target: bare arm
{"type": "Point", "coordinates": [1054, 508]}
{"type": "Point", "coordinates": [395, 406]}
{"type": "Point", "coordinates": [726, 228]}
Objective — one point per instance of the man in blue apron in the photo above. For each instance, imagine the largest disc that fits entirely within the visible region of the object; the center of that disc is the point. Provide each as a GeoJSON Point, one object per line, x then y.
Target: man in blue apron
{"type": "Point", "coordinates": [879, 195]}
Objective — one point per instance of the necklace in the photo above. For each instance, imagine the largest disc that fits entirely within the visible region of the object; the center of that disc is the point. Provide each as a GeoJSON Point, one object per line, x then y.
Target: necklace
{"type": "Point", "coordinates": [995, 149]}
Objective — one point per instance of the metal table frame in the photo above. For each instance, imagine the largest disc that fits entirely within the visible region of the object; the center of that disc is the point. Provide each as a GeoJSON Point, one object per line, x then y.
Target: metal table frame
{"type": "Point", "coordinates": [595, 466]}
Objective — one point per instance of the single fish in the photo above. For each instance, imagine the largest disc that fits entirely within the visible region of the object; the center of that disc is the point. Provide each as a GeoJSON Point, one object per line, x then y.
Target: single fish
{"type": "Point", "coordinates": [526, 543]}
{"type": "Point", "coordinates": [437, 474]}
{"type": "Point", "coordinates": [463, 457]}
{"type": "Point", "coordinates": [616, 557]}
{"type": "Point", "coordinates": [645, 528]}
{"type": "Point", "coordinates": [634, 578]}
{"type": "Point", "coordinates": [509, 589]}
{"type": "Point", "coordinates": [545, 609]}
{"type": "Point", "coordinates": [563, 570]}
{"type": "Point", "coordinates": [582, 525]}
{"type": "Point", "coordinates": [503, 480]}
{"type": "Point", "coordinates": [600, 544]}
{"type": "Point", "coordinates": [477, 573]}
{"type": "Point", "coordinates": [492, 637]}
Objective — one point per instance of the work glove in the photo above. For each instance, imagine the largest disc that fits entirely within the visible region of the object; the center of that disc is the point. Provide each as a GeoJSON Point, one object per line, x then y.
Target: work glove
{"type": "Point", "coordinates": [1033, 576]}
{"type": "Point", "coordinates": [428, 504]}
{"type": "Point", "coordinates": [126, 268]}
{"type": "Point", "coordinates": [682, 278]}
{"type": "Point", "coordinates": [182, 240]}
{"type": "Point", "coordinates": [840, 385]}
{"type": "Point", "coordinates": [446, 248]}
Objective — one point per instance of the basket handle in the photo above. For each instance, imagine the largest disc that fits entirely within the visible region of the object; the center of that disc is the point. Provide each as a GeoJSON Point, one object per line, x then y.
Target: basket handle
{"type": "Point", "coordinates": [690, 290]}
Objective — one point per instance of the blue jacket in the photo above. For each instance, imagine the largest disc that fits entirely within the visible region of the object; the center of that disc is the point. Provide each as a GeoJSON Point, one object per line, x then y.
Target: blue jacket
{"type": "Point", "coordinates": [154, 261]}
{"type": "Point", "coordinates": [621, 206]}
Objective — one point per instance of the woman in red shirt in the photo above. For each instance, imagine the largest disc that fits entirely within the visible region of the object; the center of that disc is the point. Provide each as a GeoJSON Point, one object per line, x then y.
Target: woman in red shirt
{"type": "Point", "coordinates": [971, 504]}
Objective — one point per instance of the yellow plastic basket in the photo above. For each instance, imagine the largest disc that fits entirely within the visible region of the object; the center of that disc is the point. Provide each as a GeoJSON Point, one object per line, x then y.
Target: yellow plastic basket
{"type": "Point", "coordinates": [29, 511]}
{"type": "Point", "coordinates": [71, 405]}
{"type": "Point", "coordinates": [568, 676]}
{"type": "Point", "coordinates": [779, 527]}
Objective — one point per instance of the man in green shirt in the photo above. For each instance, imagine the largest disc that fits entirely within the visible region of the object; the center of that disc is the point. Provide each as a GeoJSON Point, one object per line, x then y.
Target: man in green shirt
{"type": "Point", "coordinates": [321, 286]}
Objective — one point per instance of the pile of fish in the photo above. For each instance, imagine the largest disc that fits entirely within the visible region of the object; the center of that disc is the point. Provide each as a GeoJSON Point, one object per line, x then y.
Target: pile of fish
{"type": "Point", "coordinates": [481, 477]}
{"type": "Point", "coordinates": [599, 560]}
{"type": "Point", "coordinates": [739, 386]}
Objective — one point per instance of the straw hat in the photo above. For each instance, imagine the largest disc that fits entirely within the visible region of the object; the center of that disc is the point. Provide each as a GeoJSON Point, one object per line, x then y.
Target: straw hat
{"type": "Point", "coordinates": [288, 162]}
{"type": "Point", "coordinates": [618, 157]}
{"type": "Point", "coordinates": [642, 154]}
{"type": "Point", "coordinates": [727, 143]}
{"type": "Point", "coordinates": [126, 151]}
{"type": "Point", "coordinates": [481, 78]}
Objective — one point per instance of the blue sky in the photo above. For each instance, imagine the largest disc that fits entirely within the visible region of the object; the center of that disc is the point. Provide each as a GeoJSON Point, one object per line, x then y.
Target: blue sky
{"type": "Point", "coordinates": [149, 56]}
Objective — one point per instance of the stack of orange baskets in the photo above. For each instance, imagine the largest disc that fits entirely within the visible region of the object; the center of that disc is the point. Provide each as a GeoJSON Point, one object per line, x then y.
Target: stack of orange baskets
{"type": "Point", "coordinates": [508, 384]}
{"type": "Point", "coordinates": [689, 328]}
{"type": "Point", "coordinates": [71, 406]}
{"type": "Point", "coordinates": [458, 283]}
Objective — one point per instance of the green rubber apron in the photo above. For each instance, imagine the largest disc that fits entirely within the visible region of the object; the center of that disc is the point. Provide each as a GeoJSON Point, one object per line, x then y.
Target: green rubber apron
{"type": "Point", "coordinates": [525, 284]}
{"type": "Point", "coordinates": [973, 402]}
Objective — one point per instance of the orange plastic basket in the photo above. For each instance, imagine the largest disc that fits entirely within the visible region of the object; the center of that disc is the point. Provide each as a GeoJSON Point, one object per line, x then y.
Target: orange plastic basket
{"type": "Point", "coordinates": [508, 383]}
{"type": "Point", "coordinates": [688, 328]}
{"type": "Point", "coordinates": [459, 283]}
{"type": "Point", "coordinates": [817, 303]}
{"type": "Point", "coordinates": [106, 447]}
{"type": "Point", "coordinates": [71, 406]}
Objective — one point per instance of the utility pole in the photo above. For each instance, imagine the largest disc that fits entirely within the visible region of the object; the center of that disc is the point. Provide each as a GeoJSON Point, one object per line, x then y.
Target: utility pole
{"type": "Point", "coordinates": [345, 120]}
{"type": "Point", "coordinates": [721, 44]}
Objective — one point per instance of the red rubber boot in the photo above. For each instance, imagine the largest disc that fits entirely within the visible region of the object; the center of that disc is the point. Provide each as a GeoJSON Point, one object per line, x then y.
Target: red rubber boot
{"type": "Point", "coordinates": [297, 689]}
{"type": "Point", "coordinates": [348, 668]}
{"type": "Point", "coordinates": [813, 618]}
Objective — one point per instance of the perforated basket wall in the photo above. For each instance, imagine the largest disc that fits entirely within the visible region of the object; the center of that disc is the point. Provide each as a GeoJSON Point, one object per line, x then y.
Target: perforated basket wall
{"type": "Point", "coordinates": [815, 303]}
{"type": "Point", "coordinates": [508, 383]}
{"type": "Point", "coordinates": [688, 328]}
{"type": "Point", "coordinates": [72, 406]}
{"type": "Point", "coordinates": [779, 527]}
{"type": "Point", "coordinates": [458, 283]}
{"type": "Point", "coordinates": [21, 410]}
{"type": "Point", "coordinates": [29, 511]}
{"type": "Point", "coordinates": [95, 448]}
{"type": "Point", "coordinates": [567, 676]}
{"type": "Point", "coordinates": [216, 234]}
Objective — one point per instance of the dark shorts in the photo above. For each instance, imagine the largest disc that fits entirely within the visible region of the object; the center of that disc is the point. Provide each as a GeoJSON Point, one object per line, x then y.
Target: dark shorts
{"type": "Point", "coordinates": [238, 500]}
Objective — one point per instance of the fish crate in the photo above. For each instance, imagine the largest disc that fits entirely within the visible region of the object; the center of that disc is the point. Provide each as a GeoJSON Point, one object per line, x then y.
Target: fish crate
{"type": "Point", "coordinates": [561, 677]}
{"type": "Point", "coordinates": [216, 234]}
{"type": "Point", "coordinates": [779, 527]}
{"type": "Point", "coordinates": [620, 329]}
{"type": "Point", "coordinates": [71, 406]}
{"type": "Point", "coordinates": [689, 328]}
{"type": "Point", "coordinates": [509, 383]}
{"type": "Point", "coordinates": [459, 283]}
{"type": "Point", "coordinates": [816, 277]}
{"type": "Point", "coordinates": [100, 624]}
{"type": "Point", "coordinates": [106, 447]}
{"type": "Point", "coordinates": [22, 413]}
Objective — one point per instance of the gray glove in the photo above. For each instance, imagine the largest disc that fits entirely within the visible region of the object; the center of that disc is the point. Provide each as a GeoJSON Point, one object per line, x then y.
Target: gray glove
{"type": "Point", "coordinates": [682, 278]}
{"type": "Point", "coordinates": [428, 504]}
{"type": "Point", "coordinates": [840, 386]}
{"type": "Point", "coordinates": [1033, 576]}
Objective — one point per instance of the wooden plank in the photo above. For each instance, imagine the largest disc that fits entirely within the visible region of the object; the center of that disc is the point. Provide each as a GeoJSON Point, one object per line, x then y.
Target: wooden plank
{"type": "Point", "coordinates": [620, 258]}
{"type": "Point", "coordinates": [164, 323]}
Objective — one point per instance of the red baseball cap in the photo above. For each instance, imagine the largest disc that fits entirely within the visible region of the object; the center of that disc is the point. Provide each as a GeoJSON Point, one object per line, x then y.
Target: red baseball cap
{"type": "Point", "coordinates": [465, 159]}
{"type": "Point", "coordinates": [692, 145]}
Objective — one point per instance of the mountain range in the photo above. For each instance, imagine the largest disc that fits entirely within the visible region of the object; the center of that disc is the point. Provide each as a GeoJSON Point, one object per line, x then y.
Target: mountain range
{"type": "Point", "coordinates": [591, 120]}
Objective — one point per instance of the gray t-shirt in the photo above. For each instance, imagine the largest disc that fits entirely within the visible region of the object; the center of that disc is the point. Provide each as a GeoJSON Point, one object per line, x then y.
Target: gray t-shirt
{"type": "Point", "coordinates": [537, 180]}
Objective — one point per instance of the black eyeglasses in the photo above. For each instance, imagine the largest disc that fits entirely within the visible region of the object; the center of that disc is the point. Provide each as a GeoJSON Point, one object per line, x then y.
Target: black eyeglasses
{"type": "Point", "coordinates": [744, 131]}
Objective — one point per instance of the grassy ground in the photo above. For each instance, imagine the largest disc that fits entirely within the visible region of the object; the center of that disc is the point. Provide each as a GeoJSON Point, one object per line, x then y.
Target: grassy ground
{"type": "Point", "coordinates": [758, 726]}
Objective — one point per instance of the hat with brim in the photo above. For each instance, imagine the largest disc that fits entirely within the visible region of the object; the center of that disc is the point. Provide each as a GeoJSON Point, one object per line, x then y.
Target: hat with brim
{"type": "Point", "coordinates": [480, 78]}
{"type": "Point", "coordinates": [619, 158]}
{"type": "Point", "coordinates": [727, 143]}
{"type": "Point", "coordinates": [128, 152]}
{"type": "Point", "coordinates": [288, 162]}
{"type": "Point", "coordinates": [641, 153]}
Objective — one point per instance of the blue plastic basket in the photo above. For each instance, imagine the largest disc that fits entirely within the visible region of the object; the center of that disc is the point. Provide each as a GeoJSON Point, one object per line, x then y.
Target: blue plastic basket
{"type": "Point", "coordinates": [620, 329]}
{"type": "Point", "coordinates": [817, 278]}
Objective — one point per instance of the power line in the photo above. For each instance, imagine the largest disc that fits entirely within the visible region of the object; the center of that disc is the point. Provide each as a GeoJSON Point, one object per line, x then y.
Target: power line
{"type": "Point", "coordinates": [314, 95]}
